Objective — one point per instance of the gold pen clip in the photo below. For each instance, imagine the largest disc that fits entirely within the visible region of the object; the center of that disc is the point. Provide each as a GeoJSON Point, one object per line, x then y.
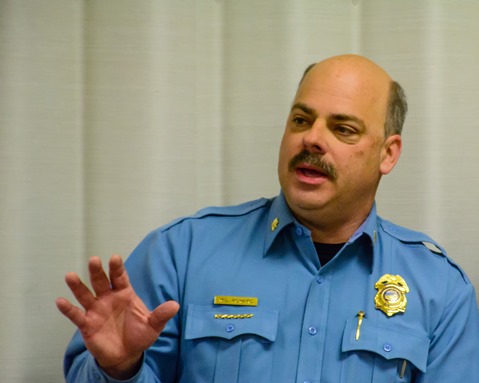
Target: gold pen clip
{"type": "Point", "coordinates": [403, 369]}
{"type": "Point", "coordinates": [360, 316]}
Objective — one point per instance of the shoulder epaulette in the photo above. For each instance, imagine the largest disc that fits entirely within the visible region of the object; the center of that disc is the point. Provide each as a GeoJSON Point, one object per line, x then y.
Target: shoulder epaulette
{"type": "Point", "coordinates": [411, 236]}
{"type": "Point", "coordinates": [235, 210]}
{"type": "Point", "coordinates": [225, 211]}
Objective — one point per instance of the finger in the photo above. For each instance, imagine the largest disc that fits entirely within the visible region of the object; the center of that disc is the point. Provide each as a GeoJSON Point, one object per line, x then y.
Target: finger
{"type": "Point", "coordinates": [82, 294]}
{"type": "Point", "coordinates": [98, 278]}
{"type": "Point", "coordinates": [76, 316]}
{"type": "Point", "coordinates": [162, 314]}
{"type": "Point", "coordinates": [118, 275]}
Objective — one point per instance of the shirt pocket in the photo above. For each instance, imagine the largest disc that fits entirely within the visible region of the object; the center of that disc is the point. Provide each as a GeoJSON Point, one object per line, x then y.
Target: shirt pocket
{"type": "Point", "coordinates": [230, 344]}
{"type": "Point", "coordinates": [382, 353]}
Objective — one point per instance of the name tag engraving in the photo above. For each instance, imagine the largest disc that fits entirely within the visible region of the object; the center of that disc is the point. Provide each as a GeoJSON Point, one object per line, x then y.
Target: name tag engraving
{"type": "Point", "coordinates": [235, 301]}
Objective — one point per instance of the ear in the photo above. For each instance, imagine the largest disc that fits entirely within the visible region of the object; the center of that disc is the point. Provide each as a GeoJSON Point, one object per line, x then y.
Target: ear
{"type": "Point", "coordinates": [390, 153]}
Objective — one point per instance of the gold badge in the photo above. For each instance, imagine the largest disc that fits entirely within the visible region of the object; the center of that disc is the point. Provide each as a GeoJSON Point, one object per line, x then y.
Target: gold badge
{"type": "Point", "coordinates": [391, 296]}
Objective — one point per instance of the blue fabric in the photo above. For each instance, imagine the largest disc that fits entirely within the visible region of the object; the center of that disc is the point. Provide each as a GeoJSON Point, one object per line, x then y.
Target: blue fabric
{"type": "Point", "coordinates": [304, 326]}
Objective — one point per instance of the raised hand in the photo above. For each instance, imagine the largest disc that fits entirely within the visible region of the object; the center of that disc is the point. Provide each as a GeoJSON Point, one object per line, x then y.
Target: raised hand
{"type": "Point", "coordinates": [115, 324]}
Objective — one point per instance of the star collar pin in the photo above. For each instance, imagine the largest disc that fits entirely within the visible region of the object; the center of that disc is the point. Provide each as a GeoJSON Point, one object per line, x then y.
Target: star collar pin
{"type": "Point", "coordinates": [274, 224]}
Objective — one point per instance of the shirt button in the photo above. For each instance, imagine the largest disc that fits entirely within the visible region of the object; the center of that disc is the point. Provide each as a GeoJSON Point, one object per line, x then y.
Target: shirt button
{"type": "Point", "coordinates": [312, 330]}
{"type": "Point", "coordinates": [387, 347]}
{"type": "Point", "coordinates": [230, 328]}
{"type": "Point", "coordinates": [299, 231]}
{"type": "Point", "coordinates": [320, 279]}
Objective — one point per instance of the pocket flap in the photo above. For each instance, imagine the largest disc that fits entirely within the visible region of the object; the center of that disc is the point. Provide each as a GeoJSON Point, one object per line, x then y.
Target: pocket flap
{"type": "Point", "coordinates": [229, 322]}
{"type": "Point", "coordinates": [389, 341]}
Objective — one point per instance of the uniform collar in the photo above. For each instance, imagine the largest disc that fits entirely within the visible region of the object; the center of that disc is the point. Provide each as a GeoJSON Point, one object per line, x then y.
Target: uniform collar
{"type": "Point", "coordinates": [280, 216]}
{"type": "Point", "coordinates": [368, 227]}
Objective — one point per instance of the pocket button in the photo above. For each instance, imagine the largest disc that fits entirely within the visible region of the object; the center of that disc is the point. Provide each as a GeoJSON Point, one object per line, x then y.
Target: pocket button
{"type": "Point", "coordinates": [387, 347]}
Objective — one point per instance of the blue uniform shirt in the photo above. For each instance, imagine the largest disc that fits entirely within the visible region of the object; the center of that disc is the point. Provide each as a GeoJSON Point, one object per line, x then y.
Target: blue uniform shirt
{"type": "Point", "coordinates": [304, 327]}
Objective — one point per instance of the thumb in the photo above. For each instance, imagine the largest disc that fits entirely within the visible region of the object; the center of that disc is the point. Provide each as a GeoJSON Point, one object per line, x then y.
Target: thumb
{"type": "Point", "coordinates": [162, 314]}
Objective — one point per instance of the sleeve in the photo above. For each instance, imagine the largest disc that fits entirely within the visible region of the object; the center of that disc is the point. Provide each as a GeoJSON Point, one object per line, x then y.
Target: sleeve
{"type": "Point", "coordinates": [454, 350]}
{"type": "Point", "coordinates": [153, 273]}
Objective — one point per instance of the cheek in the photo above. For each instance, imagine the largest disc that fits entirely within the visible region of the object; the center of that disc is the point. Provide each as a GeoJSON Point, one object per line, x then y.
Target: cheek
{"type": "Point", "coordinates": [363, 158]}
{"type": "Point", "coordinates": [356, 166]}
{"type": "Point", "coordinates": [287, 148]}
{"type": "Point", "coordinates": [368, 155]}
{"type": "Point", "coordinates": [365, 164]}
{"type": "Point", "coordinates": [283, 158]}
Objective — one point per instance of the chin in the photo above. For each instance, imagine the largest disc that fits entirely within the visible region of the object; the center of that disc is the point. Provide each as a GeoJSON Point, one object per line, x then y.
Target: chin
{"type": "Point", "coordinates": [304, 200]}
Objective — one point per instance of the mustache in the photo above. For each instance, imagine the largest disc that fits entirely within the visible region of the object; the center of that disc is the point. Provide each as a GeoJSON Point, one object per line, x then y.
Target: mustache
{"type": "Point", "coordinates": [313, 159]}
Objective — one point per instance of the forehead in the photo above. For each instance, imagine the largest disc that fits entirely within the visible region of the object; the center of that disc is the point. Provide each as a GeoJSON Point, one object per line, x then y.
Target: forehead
{"type": "Point", "coordinates": [360, 89]}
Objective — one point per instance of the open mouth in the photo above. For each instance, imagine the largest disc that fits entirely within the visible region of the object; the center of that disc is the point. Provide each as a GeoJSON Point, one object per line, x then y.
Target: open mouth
{"type": "Point", "coordinates": [311, 166]}
{"type": "Point", "coordinates": [310, 172]}
{"type": "Point", "coordinates": [310, 175]}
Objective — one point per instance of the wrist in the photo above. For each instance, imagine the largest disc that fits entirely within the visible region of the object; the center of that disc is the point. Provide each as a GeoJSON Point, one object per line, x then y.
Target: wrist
{"type": "Point", "coordinates": [125, 370]}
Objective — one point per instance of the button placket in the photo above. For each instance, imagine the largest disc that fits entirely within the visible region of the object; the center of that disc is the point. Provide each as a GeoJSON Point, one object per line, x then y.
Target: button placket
{"type": "Point", "coordinates": [299, 231]}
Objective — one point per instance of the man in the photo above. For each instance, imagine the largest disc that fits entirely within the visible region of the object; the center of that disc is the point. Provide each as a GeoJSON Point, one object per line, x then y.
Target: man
{"type": "Point", "coordinates": [310, 286]}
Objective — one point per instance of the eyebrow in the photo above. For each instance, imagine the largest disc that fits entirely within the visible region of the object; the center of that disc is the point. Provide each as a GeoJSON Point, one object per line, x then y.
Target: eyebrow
{"type": "Point", "coordinates": [304, 108]}
{"type": "Point", "coordinates": [340, 117]}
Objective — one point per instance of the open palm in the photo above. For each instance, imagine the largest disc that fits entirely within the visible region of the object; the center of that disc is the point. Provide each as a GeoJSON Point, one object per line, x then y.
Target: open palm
{"type": "Point", "coordinates": [115, 324]}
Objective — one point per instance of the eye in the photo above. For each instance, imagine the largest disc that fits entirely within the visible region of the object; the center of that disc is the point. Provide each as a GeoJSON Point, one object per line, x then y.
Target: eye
{"type": "Point", "coordinates": [300, 123]}
{"type": "Point", "coordinates": [345, 130]}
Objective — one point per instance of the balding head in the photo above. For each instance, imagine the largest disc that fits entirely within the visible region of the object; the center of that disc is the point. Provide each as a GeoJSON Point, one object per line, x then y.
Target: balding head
{"type": "Point", "coordinates": [373, 76]}
{"type": "Point", "coordinates": [335, 149]}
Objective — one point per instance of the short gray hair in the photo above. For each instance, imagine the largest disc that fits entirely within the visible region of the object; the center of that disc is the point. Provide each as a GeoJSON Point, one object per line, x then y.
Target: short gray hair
{"type": "Point", "coordinates": [396, 110]}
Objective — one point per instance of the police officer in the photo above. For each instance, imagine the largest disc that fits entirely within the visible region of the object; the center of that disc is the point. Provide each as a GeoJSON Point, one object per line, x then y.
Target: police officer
{"type": "Point", "coordinates": [309, 286]}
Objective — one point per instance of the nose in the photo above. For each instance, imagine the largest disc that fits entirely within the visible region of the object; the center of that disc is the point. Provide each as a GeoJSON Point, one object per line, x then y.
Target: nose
{"type": "Point", "coordinates": [314, 139]}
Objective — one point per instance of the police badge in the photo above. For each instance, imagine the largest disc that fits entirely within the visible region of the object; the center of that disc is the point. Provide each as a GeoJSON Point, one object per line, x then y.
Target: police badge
{"type": "Point", "coordinates": [391, 295]}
